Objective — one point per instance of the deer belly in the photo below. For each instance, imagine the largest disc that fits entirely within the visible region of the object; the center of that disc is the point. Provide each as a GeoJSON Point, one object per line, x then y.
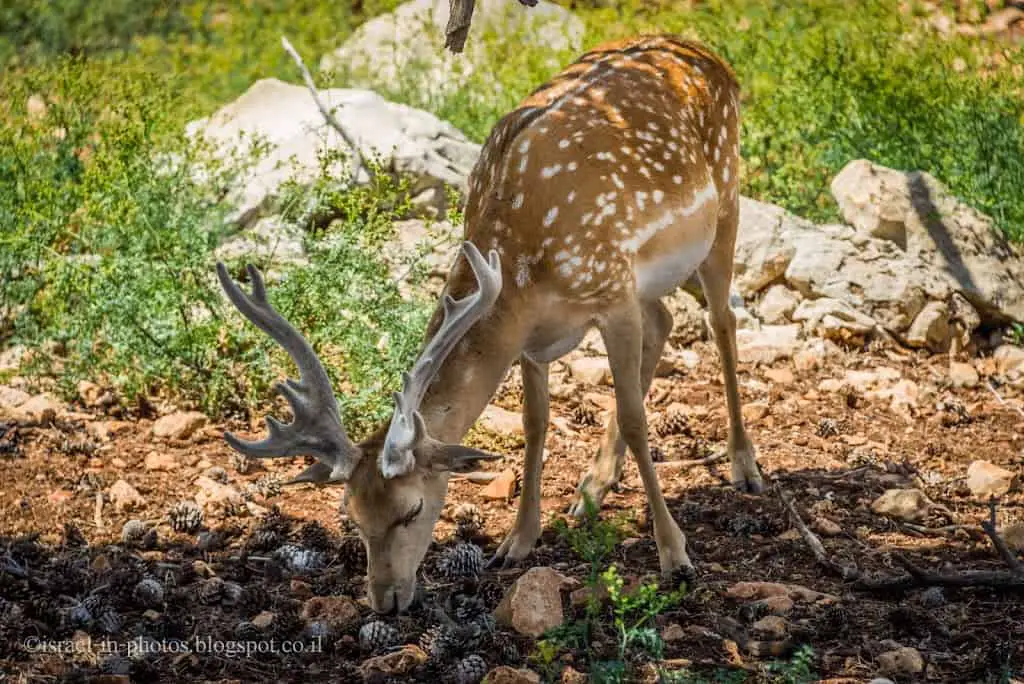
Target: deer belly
{"type": "Point", "coordinates": [658, 275]}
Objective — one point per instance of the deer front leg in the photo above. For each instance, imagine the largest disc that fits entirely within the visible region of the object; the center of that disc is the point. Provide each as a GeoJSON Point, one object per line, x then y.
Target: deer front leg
{"type": "Point", "coordinates": [623, 337]}
{"type": "Point", "coordinates": [715, 277]}
{"type": "Point", "coordinates": [536, 411]}
{"type": "Point", "coordinates": [606, 469]}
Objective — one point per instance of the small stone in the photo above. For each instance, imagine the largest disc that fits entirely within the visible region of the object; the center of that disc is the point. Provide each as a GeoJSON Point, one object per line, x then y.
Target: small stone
{"type": "Point", "coordinates": [510, 675]}
{"type": "Point", "coordinates": [776, 605]}
{"type": "Point", "coordinates": [501, 488]}
{"type": "Point", "coordinates": [160, 461]}
{"type": "Point", "coordinates": [1013, 535]}
{"type": "Point", "coordinates": [58, 496]}
{"type": "Point", "coordinates": [778, 304]}
{"type": "Point", "coordinates": [124, 496]}
{"type": "Point", "coordinates": [689, 358]}
{"type": "Point", "coordinates": [963, 374]}
{"type": "Point", "coordinates": [501, 421]}
{"type": "Point", "coordinates": [339, 613]}
{"type": "Point", "coordinates": [770, 627]}
{"type": "Point", "coordinates": [673, 632]}
{"type": "Point", "coordinates": [911, 505]}
{"type": "Point", "coordinates": [901, 661]}
{"type": "Point", "coordinates": [264, 620]}
{"type": "Point", "coordinates": [754, 412]}
{"type": "Point", "coordinates": [398, 663]}
{"type": "Point", "coordinates": [12, 397]}
{"type": "Point", "coordinates": [533, 604]}
{"type": "Point", "coordinates": [39, 410]}
{"type": "Point", "coordinates": [779, 376]}
{"type": "Point", "coordinates": [108, 429]}
{"type": "Point", "coordinates": [179, 425]}
{"type": "Point", "coordinates": [767, 345]}
{"type": "Point", "coordinates": [1009, 360]}
{"type": "Point", "coordinates": [592, 370]}
{"type": "Point", "coordinates": [826, 527]}
{"type": "Point", "coordinates": [986, 479]}
{"type": "Point", "coordinates": [930, 328]}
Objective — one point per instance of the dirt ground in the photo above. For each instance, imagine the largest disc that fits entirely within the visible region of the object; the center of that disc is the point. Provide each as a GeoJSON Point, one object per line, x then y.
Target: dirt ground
{"type": "Point", "coordinates": [834, 452]}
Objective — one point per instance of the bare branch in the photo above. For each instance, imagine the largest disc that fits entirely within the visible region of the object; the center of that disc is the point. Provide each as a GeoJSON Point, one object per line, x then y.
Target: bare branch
{"type": "Point", "coordinates": [460, 16]}
{"type": "Point", "coordinates": [817, 548]}
{"type": "Point", "coordinates": [332, 121]}
{"type": "Point", "coordinates": [1004, 551]}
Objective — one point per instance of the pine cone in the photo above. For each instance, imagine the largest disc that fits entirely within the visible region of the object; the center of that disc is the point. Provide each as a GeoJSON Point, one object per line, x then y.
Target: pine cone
{"type": "Point", "coordinates": [133, 532]}
{"type": "Point", "coordinates": [505, 648]}
{"type": "Point", "coordinates": [315, 536]}
{"type": "Point", "coordinates": [116, 665]}
{"type": "Point", "coordinates": [377, 635]}
{"type": "Point", "coordinates": [672, 422]}
{"type": "Point", "coordinates": [827, 428]}
{"type": "Point", "coordinates": [246, 631]}
{"type": "Point", "coordinates": [73, 536]}
{"type": "Point", "coordinates": [439, 642]}
{"type": "Point", "coordinates": [254, 599]}
{"type": "Point", "coordinates": [469, 520]}
{"type": "Point", "coordinates": [462, 562]}
{"type": "Point", "coordinates": [217, 474]}
{"type": "Point", "coordinates": [241, 463]}
{"type": "Point", "coordinates": [468, 608]}
{"type": "Point", "coordinates": [583, 414]}
{"type": "Point", "coordinates": [352, 553]}
{"type": "Point", "coordinates": [491, 592]}
{"type": "Point", "coordinates": [265, 540]}
{"type": "Point", "coordinates": [185, 517]}
{"type": "Point", "coordinates": [299, 560]}
{"type": "Point", "coordinates": [210, 591]}
{"type": "Point", "coordinates": [231, 593]}
{"type": "Point", "coordinates": [471, 670]}
{"type": "Point", "coordinates": [109, 621]}
{"type": "Point", "coordinates": [148, 593]}
{"type": "Point", "coordinates": [267, 487]}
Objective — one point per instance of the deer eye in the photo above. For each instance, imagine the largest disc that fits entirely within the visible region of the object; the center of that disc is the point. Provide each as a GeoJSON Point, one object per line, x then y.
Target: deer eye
{"type": "Point", "coordinates": [411, 515]}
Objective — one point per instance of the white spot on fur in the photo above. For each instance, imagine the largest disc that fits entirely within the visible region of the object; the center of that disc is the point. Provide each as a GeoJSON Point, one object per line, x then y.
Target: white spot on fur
{"type": "Point", "coordinates": [550, 217]}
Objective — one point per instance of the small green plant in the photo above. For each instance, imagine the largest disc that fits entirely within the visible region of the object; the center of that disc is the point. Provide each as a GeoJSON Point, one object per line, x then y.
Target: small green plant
{"type": "Point", "coordinates": [797, 670]}
{"type": "Point", "coordinates": [1016, 333]}
{"type": "Point", "coordinates": [634, 611]}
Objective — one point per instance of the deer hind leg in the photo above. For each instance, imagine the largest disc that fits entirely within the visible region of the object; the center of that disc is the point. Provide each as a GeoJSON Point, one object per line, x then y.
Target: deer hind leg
{"type": "Point", "coordinates": [606, 469]}
{"type": "Point", "coordinates": [623, 334]}
{"type": "Point", "coordinates": [536, 411]}
{"type": "Point", "coordinates": [716, 277]}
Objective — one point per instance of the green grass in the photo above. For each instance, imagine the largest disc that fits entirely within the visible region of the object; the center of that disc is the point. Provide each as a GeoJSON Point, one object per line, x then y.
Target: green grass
{"type": "Point", "coordinates": [106, 252]}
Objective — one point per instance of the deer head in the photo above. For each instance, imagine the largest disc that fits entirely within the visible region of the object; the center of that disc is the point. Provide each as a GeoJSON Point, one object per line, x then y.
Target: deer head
{"type": "Point", "coordinates": [395, 482]}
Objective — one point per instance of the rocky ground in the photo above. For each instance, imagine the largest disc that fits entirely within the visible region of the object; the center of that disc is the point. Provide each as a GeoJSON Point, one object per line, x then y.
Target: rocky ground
{"type": "Point", "coordinates": [890, 461]}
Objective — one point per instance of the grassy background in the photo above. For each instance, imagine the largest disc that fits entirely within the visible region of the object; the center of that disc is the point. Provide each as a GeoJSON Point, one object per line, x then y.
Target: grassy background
{"type": "Point", "coordinates": [106, 250]}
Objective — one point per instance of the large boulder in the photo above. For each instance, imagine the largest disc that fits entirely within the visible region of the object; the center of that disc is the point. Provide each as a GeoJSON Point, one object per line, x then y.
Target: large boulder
{"type": "Point", "coordinates": [917, 214]}
{"type": "Point", "coordinates": [279, 125]}
{"type": "Point", "coordinates": [407, 46]}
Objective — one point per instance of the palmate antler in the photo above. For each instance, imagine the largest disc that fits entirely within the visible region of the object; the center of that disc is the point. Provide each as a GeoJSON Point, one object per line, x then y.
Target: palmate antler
{"type": "Point", "coordinates": [407, 429]}
{"type": "Point", "coordinates": [316, 429]}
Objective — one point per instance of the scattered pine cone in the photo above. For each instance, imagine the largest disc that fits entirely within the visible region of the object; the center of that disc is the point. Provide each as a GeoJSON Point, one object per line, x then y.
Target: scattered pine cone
{"type": "Point", "coordinates": [352, 553]}
{"type": "Point", "coordinates": [468, 608]}
{"type": "Point", "coordinates": [469, 520]}
{"type": "Point", "coordinates": [471, 670]}
{"type": "Point", "coordinates": [490, 592]}
{"type": "Point", "coordinates": [462, 562]}
{"type": "Point", "coordinates": [583, 414]}
{"type": "Point", "coordinates": [254, 599]}
{"type": "Point", "coordinates": [672, 422]}
{"type": "Point", "coordinates": [133, 533]}
{"type": "Point", "coordinates": [109, 621]}
{"type": "Point", "coordinates": [505, 648]}
{"type": "Point", "coordinates": [241, 463]}
{"type": "Point", "coordinates": [439, 642]}
{"type": "Point", "coordinates": [827, 427]}
{"type": "Point", "coordinates": [298, 559]}
{"type": "Point", "coordinates": [185, 517]}
{"type": "Point", "coordinates": [315, 536]}
{"type": "Point", "coordinates": [267, 487]}
{"type": "Point", "coordinates": [148, 592]}
{"type": "Point", "coordinates": [377, 635]}
{"type": "Point", "coordinates": [73, 536]}
{"type": "Point", "coordinates": [210, 590]}
{"type": "Point", "coordinates": [246, 631]}
{"type": "Point", "coordinates": [217, 474]}
{"type": "Point", "coordinates": [265, 540]}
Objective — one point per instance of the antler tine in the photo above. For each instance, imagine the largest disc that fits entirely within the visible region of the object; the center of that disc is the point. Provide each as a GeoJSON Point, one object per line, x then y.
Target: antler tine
{"type": "Point", "coordinates": [407, 428]}
{"type": "Point", "coordinates": [316, 428]}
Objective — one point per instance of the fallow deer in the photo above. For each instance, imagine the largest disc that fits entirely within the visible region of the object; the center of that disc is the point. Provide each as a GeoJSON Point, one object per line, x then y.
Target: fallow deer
{"type": "Point", "coordinates": [604, 191]}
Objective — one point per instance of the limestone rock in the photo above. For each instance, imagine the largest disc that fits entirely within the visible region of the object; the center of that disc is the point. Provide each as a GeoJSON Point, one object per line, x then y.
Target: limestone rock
{"type": "Point", "coordinates": [769, 344]}
{"type": "Point", "coordinates": [930, 328]}
{"type": "Point", "coordinates": [429, 247]}
{"type": "Point", "coordinates": [911, 505]}
{"type": "Point", "coordinates": [124, 496]}
{"type": "Point", "coordinates": [510, 675]}
{"type": "Point", "coordinates": [919, 215]}
{"type": "Point", "coordinates": [778, 304]}
{"type": "Point", "coordinates": [1009, 360]}
{"type": "Point", "coordinates": [771, 627]}
{"type": "Point", "coordinates": [386, 50]}
{"type": "Point", "coordinates": [533, 604]}
{"type": "Point", "coordinates": [270, 240]}
{"type": "Point", "coordinates": [501, 421]}
{"type": "Point", "coordinates": [294, 137]}
{"type": "Point", "coordinates": [12, 397]}
{"type": "Point", "coordinates": [962, 374]}
{"type": "Point", "coordinates": [986, 479]}
{"type": "Point", "coordinates": [38, 410]}
{"type": "Point", "coordinates": [833, 319]}
{"type": "Point", "coordinates": [903, 661]}
{"type": "Point", "coordinates": [161, 460]}
{"type": "Point", "coordinates": [688, 323]}
{"type": "Point", "coordinates": [592, 370]}
{"type": "Point", "coordinates": [178, 425]}
{"type": "Point", "coordinates": [397, 663]}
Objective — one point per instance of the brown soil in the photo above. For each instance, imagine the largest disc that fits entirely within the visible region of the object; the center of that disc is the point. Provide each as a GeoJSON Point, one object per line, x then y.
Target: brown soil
{"type": "Point", "coordinates": [834, 452]}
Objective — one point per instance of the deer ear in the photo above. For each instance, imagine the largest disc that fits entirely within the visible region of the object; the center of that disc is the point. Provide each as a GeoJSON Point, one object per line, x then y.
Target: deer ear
{"type": "Point", "coordinates": [456, 458]}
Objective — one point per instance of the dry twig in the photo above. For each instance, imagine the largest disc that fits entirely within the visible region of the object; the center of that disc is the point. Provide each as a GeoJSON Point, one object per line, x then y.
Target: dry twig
{"type": "Point", "coordinates": [460, 17]}
{"type": "Point", "coordinates": [1008, 556]}
{"type": "Point", "coordinates": [332, 121]}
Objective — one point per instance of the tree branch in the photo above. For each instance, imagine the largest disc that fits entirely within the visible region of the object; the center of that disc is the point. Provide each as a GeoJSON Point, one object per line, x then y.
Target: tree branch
{"type": "Point", "coordinates": [460, 16]}
{"type": "Point", "coordinates": [1008, 556]}
{"type": "Point", "coordinates": [332, 121]}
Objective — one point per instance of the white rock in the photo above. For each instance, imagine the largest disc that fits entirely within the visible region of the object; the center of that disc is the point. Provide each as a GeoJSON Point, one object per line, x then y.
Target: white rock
{"type": "Point", "coordinates": [124, 496]}
{"type": "Point", "coordinates": [12, 397]}
{"type": "Point", "coordinates": [593, 370]}
{"type": "Point", "coordinates": [270, 240]}
{"type": "Point", "coordinates": [1009, 359]}
{"type": "Point", "coordinates": [911, 505]}
{"type": "Point", "coordinates": [986, 479]}
{"type": "Point", "coordinates": [284, 118]}
{"type": "Point", "coordinates": [833, 319]}
{"type": "Point", "coordinates": [769, 344]}
{"type": "Point", "coordinates": [688, 321]}
{"type": "Point", "coordinates": [962, 374]}
{"type": "Point", "coordinates": [930, 328]}
{"type": "Point", "coordinates": [179, 425]}
{"type": "Point", "coordinates": [920, 216]}
{"type": "Point", "coordinates": [408, 43]}
{"type": "Point", "coordinates": [778, 304]}
{"type": "Point", "coordinates": [501, 421]}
